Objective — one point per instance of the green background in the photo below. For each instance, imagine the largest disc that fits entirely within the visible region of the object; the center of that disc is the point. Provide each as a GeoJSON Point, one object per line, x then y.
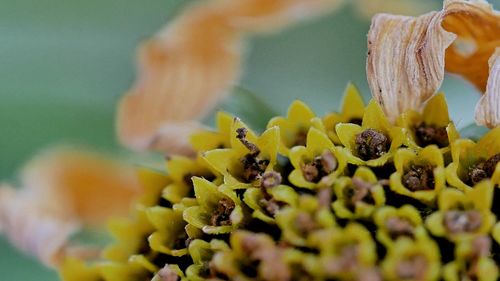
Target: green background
{"type": "Point", "coordinates": [64, 64]}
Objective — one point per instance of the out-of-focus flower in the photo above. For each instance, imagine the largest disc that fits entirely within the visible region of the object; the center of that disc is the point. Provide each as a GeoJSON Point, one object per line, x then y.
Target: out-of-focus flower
{"type": "Point", "coordinates": [359, 196]}
{"type": "Point", "coordinates": [369, 8]}
{"type": "Point", "coordinates": [249, 158]}
{"type": "Point", "coordinates": [185, 70]}
{"type": "Point", "coordinates": [472, 261]}
{"type": "Point", "coordinates": [351, 111]}
{"type": "Point", "coordinates": [61, 191]}
{"type": "Point", "coordinates": [374, 142]}
{"type": "Point", "coordinates": [266, 203]}
{"type": "Point", "coordinates": [475, 162]}
{"type": "Point", "coordinates": [294, 127]}
{"type": "Point", "coordinates": [412, 260]}
{"type": "Point", "coordinates": [407, 55]}
{"type": "Point", "coordinates": [462, 214]}
{"type": "Point", "coordinates": [202, 253]}
{"type": "Point", "coordinates": [344, 253]}
{"type": "Point", "coordinates": [219, 209]}
{"type": "Point", "coordinates": [419, 175]}
{"type": "Point", "coordinates": [432, 126]}
{"type": "Point", "coordinates": [170, 236]}
{"type": "Point", "coordinates": [393, 224]}
{"type": "Point", "coordinates": [297, 223]}
{"type": "Point", "coordinates": [318, 163]}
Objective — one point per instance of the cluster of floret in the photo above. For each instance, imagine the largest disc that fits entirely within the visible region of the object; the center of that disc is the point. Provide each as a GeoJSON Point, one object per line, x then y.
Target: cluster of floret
{"type": "Point", "coordinates": [350, 196]}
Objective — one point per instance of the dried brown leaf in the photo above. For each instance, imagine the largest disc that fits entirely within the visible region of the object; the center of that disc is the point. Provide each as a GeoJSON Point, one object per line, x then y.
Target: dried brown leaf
{"type": "Point", "coordinates": [488, 108]}
{"type": "Point", "coordinates": [190, 65]}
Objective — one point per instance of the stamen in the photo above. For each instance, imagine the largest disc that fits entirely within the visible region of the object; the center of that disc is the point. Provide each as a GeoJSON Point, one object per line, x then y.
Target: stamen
{"type": "Point", "coordinates": [320, 167]}
{"type": "Point", "coordinates": [483, 169]}
{"type": "Point", "coordinates": [358, 191]}
{"type": "Point", "coordinates": [412, 268]}
{"type": "Point", "coordinates": [399, 227]}
{"type": "Point", "coordinates": [371, 144]}
{"type": "Point", "coordinates": [457, 221]}
{"type": "Point", "coordinates": [222, 214]}
{"type": "Point", "coordinates": [431, 134]}
{"type": "Point", "coordinates": [271, 179]}
{"type": "Point", "coordinates": [419, 177]}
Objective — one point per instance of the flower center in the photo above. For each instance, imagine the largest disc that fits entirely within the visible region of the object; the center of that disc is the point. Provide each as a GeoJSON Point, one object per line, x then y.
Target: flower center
{"type": "Point", "coordinates": [427, 134]}
{"type": "Point", "coordinates": [371, 144]}
{"type": "Point", "coordinates": [457, 221]}
{"type": "Point", "coordinates": [419, 177]}
{"type": "Point", "coordinates": [399, 227]}
{"type": "Point", "coordinates": [358, 191]}
{"type": "Point", "coordinates": [253, 167]}
{"type": "Point", "coordinates": [412, 268]}
{"type": "Point", "coordinates": [271, 179]}
{"type": "Point", "coordinates": [355, 120]}
{"type": "Point", "coordinates": [346, 261]}
{"type": "Point", "coordinates": [480, 248]}
{"type": "Point", "coordinates": [483, 169]}
{"type": "Point", "coordinates": [222, 214]}
{"type": "Point", "coordinates": [300, 138]}
{"type": "Point", "coordinates": [305, 223]}
{"type": "Point", "coordinates": [271, 206]}
{"type": "Point", "coordinates": [320, 167]}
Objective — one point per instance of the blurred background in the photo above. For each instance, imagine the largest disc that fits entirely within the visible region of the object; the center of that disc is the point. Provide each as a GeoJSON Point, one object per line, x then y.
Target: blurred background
{"type": "Point", "coordinates": [64, 65]}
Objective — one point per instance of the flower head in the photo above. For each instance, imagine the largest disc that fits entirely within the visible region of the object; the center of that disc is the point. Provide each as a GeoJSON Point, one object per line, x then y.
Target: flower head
{"type": "Point", "coordinates": [419, 174]}
{"type": "Point", "coordinates": [374, 142]}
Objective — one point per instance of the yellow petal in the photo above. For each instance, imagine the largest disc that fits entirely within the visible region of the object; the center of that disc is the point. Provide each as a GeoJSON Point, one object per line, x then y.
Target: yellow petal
{"type": "Point", "coordinates": [184, 70]}
{"type": "Point", "coordinates": [488, 108]}
{"type": "Point", "coordinates": [436, 111]}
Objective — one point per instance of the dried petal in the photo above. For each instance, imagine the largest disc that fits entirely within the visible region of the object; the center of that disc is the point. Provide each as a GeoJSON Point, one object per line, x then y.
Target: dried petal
{"type": "Point", "coordinates": [488, 108]}
{"type": "Point", "coordinates": [62, 190]}
{"type": "Point", "coordinates": [407, 55]}
{"type": "Point", "coordinates": [185, 70]}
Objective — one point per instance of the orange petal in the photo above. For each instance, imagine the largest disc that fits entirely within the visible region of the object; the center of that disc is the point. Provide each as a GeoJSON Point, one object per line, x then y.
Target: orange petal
{"type": "Point", "coordinates": [190, 65]}
{"type": "Point", "coordinates": [477, 26]}
{"type": "Point", "coordinates": [407, 55]}
{"type": "Point", "coordinates": [488, 108]}
{"type": "Point", "coordinates": [61, 191]}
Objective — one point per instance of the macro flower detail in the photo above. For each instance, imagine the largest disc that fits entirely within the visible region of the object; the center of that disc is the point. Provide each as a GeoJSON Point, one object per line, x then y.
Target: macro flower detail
{"type": "Point", "coordinates": [419, 175]}
{"type": "Point", "coordinates": [317, 163]}
{"type": "Point", "coordinates": [432, 126]}
{"type": "Point", "coordinates": [374, 142]}
{"type": "Point", "coordinates": [249, 157]}
{"type": "Point", "coordinates": [351, 111]}
{"type": "Point", "coordinates": [219, 209]}
{"type": "Point", "coordinates": [267, 202]}
{"type": "Point", "coordinates": [474, 162]}
{"type": "Point", "coordinates": [462, 214]}
{"type": "Point", "coordinates": [358, 196]}
{"type": "Point", "coordinates": [294, 128]}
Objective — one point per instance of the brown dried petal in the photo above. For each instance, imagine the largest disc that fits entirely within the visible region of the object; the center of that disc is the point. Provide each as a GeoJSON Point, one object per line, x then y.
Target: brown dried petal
{"type": "Point", "coordinates": [185, 70]}
{"type": "Point", "coordinates": [407, 55]}
{"type": "Point", "coordinates": [488, 108]}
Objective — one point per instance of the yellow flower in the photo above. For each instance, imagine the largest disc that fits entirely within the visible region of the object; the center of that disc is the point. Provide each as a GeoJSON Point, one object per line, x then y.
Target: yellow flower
{"type": "Point", "coordinates": [170, 237]}
{"type": "Point", "coordinates": [265, 203]}
{"type": "Point", "coordinates": [316, 164]}
{"type": "Point", "coordinates": [474, 162]}
{"type": "Point", "coordinates": [419, 175]}
{"type": "Point", "coordinates": [294, 128]}
{"type": "Point", "coordinates": [296, 223]}
{"type": "Point", "coordinates": [344, 252]}
{"type": "Point", "coordinates": [359, 196]}
{"type": "Point", "coordinates": [472, 261]}
{"type": "Point", "coordinates": [431, 126]}
{"type": "Point", "coordinates": [208, 140]}
{"type": "Point", "coordinates": [412, 260]}
{"type": "Point", "coordinates": [463, 214]}
{"type": "Point", "coordinates": [181, 170]}
{"type": "Point", "coordinates": [352, 110]}
{"type": "Point", "coordinates": [249, 157]}
{"type": "Point", "coordinates": [219, 210]}
{"type": "Point", "coordinates": [202, 253]}
{"type": "Point", "coordinates": [374, 142]}
{"type": "Point", "coordinates": [395, 223]}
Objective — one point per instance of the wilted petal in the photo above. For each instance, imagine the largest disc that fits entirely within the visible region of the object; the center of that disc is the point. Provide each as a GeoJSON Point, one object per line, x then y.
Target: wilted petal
{"type": "Point", "coordinates": [407, 55]}
{"type": "Point", "coordinates": [185, 70]}
{"type": "Point", "coordinates": [488, 108]}
{"type": "Point", "coordinates": [61, 191]}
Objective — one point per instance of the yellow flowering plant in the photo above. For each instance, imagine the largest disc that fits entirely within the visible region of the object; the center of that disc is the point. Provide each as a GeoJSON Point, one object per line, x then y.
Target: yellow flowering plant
{"type": "Point", "coordinates": [369, 193]}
